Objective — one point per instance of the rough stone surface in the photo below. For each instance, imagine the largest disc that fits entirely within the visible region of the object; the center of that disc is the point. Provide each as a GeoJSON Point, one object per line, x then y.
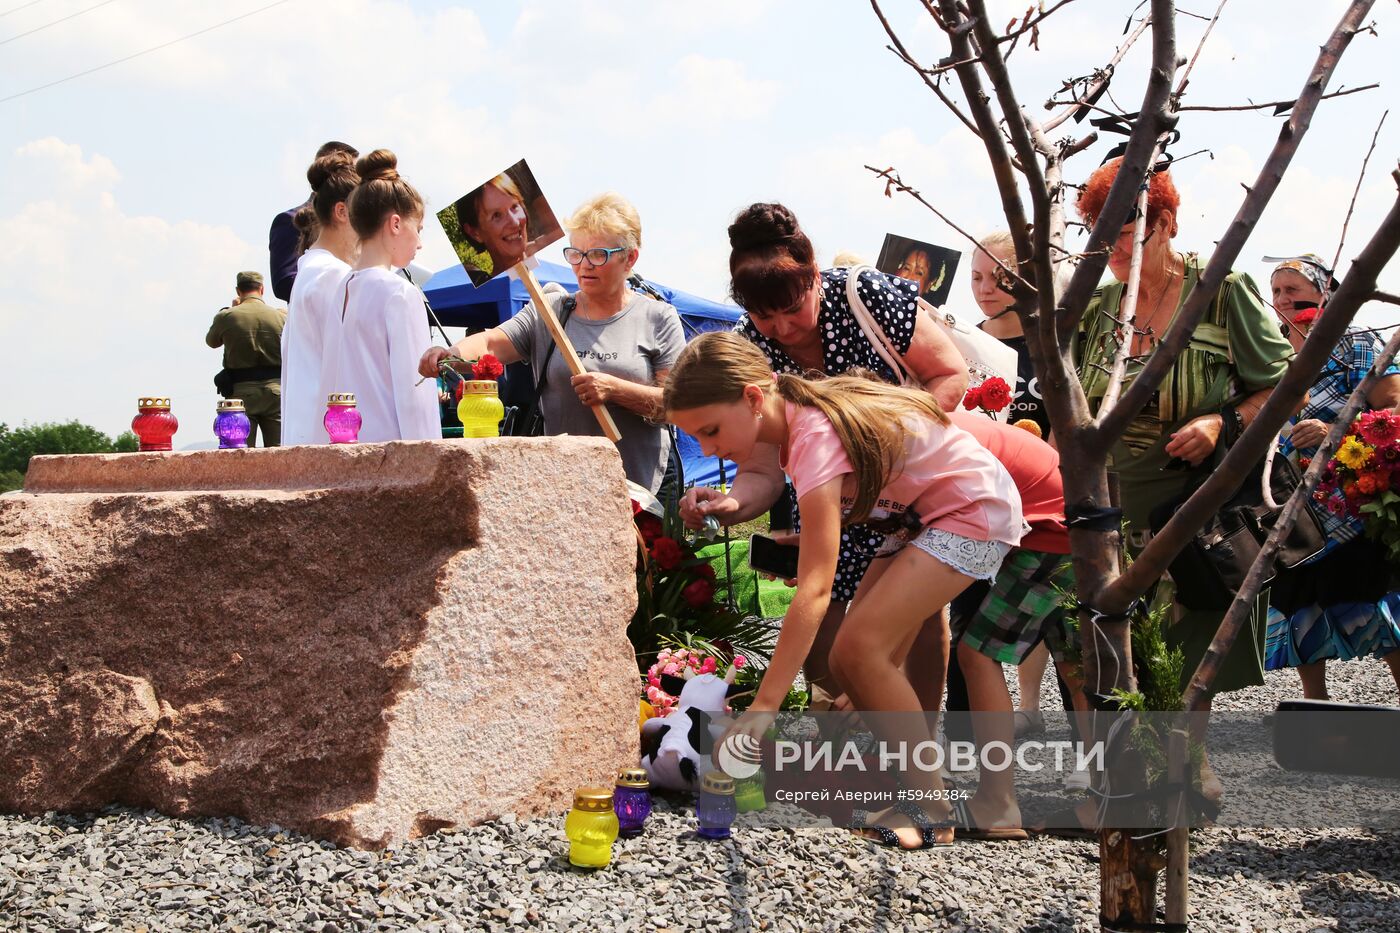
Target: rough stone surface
{"type": "Point", "coordinates": [364, 643]}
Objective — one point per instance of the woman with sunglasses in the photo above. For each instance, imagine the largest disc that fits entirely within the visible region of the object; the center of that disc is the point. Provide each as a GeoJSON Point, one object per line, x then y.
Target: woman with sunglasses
{"type": "Point", "coordinates": [626, 341]}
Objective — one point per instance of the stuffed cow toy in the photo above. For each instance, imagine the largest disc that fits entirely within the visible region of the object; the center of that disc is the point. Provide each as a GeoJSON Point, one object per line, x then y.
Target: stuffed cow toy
{"type": "Point", "coordinates": [676, 747]}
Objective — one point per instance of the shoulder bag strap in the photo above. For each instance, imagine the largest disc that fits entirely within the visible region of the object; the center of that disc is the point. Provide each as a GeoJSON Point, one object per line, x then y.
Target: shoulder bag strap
{"type": "Point", "coordinates": [566, 310]}
{"type": "Point", "coordinates": [873, 331]}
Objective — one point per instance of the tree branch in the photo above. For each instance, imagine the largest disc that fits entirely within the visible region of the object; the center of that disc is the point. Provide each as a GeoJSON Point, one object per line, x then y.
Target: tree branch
{"type": "Point", "coordinates": [908, 60]}
{"type": "Point", "coordinates": [1113, 423]}
{"type": "Point", "coordinates": [1276, 103]}
{"type": "Point", "coordinates": [1154, 120]}
{"type": "Point", "coordinates": [1204, 677]}
{"type": "Point", "coordinates": [1386, 297]}
{"type": "Point", "coordinates": [1127, 308]}
{"type": "Point", "coordinates": [1092, 89]}
{"type": "Point", "coordinates": [893, 181]}
{"type": "Point", "coordinates": [1359, 284]}
{"type": "Point", "coordinates": [957, 29]}
{"type": "Point", "coordinates": [1195, 56]}
{"type": "Point", "coordinates": [1359, 179]}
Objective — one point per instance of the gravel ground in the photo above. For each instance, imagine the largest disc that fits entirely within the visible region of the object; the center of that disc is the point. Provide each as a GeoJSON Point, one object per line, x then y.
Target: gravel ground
{"type": "Point", "coordinates": [128, 870]}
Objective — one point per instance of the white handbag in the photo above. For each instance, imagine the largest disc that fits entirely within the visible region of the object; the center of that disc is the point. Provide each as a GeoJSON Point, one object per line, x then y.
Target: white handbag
{"type": "Point", "coordinates": [986, 356]}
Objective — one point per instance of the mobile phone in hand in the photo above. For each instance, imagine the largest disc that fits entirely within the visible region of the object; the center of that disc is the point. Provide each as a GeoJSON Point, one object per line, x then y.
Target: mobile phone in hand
{"type": "Point", "coordinates": [768, 556]}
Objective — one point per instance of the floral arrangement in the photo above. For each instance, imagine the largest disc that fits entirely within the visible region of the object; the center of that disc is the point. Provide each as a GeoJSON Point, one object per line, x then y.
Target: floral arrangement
{"type": "Point", "coordinates": [674, 663]}
{"type": "Point", "coordinates": [680, 601]}
{"type": "Point", "coordinates": [1362, 479]}
{"type": "Point", "coordinates": [991, 396]}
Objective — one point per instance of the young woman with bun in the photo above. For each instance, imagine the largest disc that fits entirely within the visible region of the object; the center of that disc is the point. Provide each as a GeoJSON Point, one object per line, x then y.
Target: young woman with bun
{"type": "Point", "coordinates": [384, 330]}
{"type": "Point", "coordinates": [799, 316]}
{"type": "Point", "coordinates": [311, 339]}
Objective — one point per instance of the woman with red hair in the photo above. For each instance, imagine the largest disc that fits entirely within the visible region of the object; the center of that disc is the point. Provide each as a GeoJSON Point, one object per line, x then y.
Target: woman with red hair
{"type": "Point", "coordinates": [1233, 361]}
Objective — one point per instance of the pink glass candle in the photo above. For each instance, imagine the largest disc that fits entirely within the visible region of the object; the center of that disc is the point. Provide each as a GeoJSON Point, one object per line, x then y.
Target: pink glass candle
{"type": "Point", "coordinates": [342, 419]}
{"type": "Point", "coordinates": [154, 424]}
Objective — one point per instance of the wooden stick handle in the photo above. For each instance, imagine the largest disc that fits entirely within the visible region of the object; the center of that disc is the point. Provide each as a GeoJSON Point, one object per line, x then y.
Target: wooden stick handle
{"type": "Point", "coordinates": [566, 349]}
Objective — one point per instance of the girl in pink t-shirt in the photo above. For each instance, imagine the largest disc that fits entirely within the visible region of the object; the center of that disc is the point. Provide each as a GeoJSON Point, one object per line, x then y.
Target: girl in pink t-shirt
{"type": "Point", "coordinates": [859, 451]}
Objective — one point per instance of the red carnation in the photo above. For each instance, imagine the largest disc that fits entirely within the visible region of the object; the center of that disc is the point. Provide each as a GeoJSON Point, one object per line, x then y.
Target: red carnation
{"type": "Point", "coordinates": [667, 553]}
{"type": "Point", "coordinates": [973, 399]}
{"type": "Point", "coordinates": [995, 394]}
{"type": "Point", "coordinates": [705, 572]}
{"type": "Point", "coordinates": [650, 527]}
{"type": "Point", "coordinates": [488, 367]}
{"type": "Point", "coordinates": [698, 593]}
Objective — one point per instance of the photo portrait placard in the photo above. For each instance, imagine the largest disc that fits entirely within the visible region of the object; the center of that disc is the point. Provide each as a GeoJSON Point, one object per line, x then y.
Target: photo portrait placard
{"type": "Point", "coordinates": [503, 221]}
{"type": "Point", "coordinates": [932, 267]}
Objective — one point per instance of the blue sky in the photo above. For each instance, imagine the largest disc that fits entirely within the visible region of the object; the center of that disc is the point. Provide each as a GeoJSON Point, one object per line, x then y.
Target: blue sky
{"type": "Point", "coordinates": [130, 197]}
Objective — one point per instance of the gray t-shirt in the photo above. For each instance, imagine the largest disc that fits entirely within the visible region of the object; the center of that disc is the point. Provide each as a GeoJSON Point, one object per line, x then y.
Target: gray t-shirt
{"type": "Point", "coordinates": [636, 343]}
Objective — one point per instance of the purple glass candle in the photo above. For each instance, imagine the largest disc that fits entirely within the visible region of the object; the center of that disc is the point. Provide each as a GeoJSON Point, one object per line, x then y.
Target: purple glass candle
{"type": "Point", "coordinates": [342, 419]}
{"type": "Point", "coordinates": [715, 809]}
{"type": "Point", "coordinates": [632, 800]}
{"type": "Point", "coordinates": [231, 424]}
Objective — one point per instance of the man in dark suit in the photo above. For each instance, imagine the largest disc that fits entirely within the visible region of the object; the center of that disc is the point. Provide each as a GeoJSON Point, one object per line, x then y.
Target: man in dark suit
{"type": "Point", "coordinates": [282, 238]}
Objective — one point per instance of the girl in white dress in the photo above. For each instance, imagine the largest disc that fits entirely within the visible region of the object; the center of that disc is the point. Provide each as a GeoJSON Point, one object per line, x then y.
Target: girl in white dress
{"type": "Point", "coordinates": [311, 339]}
{"type": "Point", "coordinates": [384, 329]}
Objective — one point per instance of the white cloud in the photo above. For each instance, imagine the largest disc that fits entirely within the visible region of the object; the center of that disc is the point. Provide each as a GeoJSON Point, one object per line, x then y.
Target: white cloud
{"type": "Point", "coordinates": [101, 305]}
{"type": "Point", "coordinates": [709, 91]}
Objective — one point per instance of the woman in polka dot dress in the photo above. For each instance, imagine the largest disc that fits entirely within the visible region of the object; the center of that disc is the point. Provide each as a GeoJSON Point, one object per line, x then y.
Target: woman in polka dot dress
{"type": "Point", "coordinates": [799, 316]}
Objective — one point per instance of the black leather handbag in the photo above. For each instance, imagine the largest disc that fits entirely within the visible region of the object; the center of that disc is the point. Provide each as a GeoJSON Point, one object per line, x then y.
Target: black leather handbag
{"type": "Point", "coordinates": [1211, 569]}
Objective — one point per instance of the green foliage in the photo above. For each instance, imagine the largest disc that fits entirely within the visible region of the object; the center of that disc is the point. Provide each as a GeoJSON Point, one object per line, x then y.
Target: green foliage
{"type": "Point", "coordinates": [468, 254]}
{"type": "Point", "coordinates": [1383, 523]}
{"type": "Point", "coordinates": [665, 618]}
{"type": "Point", "coordinates": [17, 445]}
{"type": "Point", "coordinates": [126, 443]}
{"type": "Point", "coordinates": [11, 479]}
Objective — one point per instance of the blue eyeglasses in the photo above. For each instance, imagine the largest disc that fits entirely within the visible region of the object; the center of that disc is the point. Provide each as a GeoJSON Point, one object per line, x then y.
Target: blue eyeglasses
{"type": "Point", "coordinates": [596, 257]}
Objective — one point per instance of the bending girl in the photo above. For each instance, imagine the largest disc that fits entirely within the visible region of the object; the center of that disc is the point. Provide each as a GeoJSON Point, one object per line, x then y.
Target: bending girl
{"type": "Point", "coordinates": [858, 451]}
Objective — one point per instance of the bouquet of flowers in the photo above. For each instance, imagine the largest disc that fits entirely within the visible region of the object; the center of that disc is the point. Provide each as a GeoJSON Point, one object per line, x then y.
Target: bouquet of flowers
{"type": "Point", "coordinates": [1362, 480]}
{"type": "Point", "coordinates": [680, 602]}
{"type": "Point", "coordinates": [991, 396]}
{"type": "Point", "coordinates": [661, 691]}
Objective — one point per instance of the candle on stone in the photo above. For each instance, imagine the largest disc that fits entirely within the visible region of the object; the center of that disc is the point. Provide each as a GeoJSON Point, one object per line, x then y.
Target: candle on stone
{"type": "Point", "coordinates": [715, 809]}
{"type": "Point", "coordinates": [632, 800]}
{"type": "Point", "coordinates": [342, 419]}
{"type": "Point", "coordinates": [231, 424]}
{"type": "Point", "coordinates": [591, 827]}
{"type": "Point", "coordinates": [154, 425]}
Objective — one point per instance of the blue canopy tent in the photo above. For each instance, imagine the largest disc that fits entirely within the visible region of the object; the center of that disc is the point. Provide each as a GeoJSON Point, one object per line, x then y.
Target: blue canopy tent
{"type": "Point", "coordinates": [457, 303]}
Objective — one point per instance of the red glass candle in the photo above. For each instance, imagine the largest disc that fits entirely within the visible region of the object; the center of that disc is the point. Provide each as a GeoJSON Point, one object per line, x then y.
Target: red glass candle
{"type": "Point", "coordinates": [154, 424]}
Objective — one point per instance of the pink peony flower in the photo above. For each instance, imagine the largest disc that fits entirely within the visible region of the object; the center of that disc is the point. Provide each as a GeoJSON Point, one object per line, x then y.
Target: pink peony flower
{"type": "Point", "coordinates": [740, 661]}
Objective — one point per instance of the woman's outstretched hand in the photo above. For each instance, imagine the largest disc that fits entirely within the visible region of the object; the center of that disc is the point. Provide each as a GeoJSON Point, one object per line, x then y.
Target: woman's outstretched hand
{"type": "Point", "coordinates": [428, 364]}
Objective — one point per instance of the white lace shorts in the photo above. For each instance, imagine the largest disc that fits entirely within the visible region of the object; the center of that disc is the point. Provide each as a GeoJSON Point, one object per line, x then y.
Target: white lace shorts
{"type": "Point", "coordinates": [977, 559]}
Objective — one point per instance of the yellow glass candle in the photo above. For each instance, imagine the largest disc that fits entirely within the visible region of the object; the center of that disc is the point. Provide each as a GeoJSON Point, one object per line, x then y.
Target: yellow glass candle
{"type": "Point", "coordinates": [592, 827]}
{"type": "Point", "coordinates": [480, 409]}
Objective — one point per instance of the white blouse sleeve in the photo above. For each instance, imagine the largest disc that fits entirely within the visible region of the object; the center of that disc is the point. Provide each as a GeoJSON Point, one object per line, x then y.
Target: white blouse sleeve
{"type": "Point", "coordinates": [416, 405]}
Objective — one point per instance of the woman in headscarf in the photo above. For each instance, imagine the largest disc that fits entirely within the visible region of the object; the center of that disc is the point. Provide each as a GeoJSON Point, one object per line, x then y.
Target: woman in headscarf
{"type": "Point", "coordinates": [1345, 603]}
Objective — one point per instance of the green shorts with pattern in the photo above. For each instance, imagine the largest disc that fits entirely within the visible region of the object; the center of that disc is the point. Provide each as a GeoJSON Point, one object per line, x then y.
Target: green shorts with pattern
{"type": "Point", "coordinates": [1022, 608]}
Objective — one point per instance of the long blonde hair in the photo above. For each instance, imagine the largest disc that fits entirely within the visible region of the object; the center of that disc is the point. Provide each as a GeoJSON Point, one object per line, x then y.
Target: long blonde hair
{"type": "Point", "coordinates": [870, 417]}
